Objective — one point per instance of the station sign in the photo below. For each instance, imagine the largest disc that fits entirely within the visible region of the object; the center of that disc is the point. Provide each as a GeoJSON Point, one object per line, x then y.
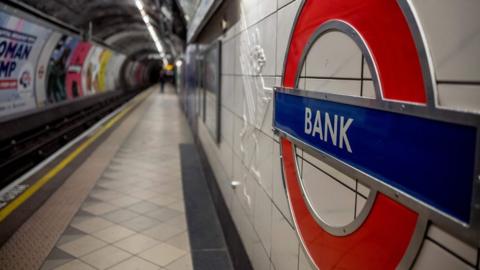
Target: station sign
{"type": "Point", "coordinates": [419, 161]}
{"type": "Point", "coordinates": [428, 159]}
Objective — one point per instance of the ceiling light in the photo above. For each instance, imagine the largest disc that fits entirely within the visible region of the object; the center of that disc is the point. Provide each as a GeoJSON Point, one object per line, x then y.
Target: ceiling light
{"type": "Point", "coordinates": [146, 19]}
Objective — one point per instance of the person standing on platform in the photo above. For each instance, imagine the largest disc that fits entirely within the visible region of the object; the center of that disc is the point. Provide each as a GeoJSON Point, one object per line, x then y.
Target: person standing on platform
{"type": "Point", "coordinates": [162, 80]}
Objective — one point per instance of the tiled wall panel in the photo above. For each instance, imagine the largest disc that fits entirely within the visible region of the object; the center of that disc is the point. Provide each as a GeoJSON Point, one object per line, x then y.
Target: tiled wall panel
{"type": "Point", "coordinates": [250, 153]}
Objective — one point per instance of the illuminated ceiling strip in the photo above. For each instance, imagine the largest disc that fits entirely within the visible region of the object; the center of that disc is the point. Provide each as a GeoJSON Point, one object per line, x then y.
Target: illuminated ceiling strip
{"type": "Point", "coordinates": [150, 28]}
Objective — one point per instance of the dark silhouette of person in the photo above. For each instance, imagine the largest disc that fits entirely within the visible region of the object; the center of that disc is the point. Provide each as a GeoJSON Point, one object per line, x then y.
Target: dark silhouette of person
{"type": "Point", "coordinates": [162, 78]}
{"type": "Point", "coordinates": [56, 81]}
{"type": "Point", "coordinates": [74, 89]}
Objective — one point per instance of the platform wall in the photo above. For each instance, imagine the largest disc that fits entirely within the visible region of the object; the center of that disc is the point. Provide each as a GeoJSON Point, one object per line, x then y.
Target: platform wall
{"type": "Point", "coordinates": [42, 64]}
{"type": "Point", "coordinates": [249, 152]}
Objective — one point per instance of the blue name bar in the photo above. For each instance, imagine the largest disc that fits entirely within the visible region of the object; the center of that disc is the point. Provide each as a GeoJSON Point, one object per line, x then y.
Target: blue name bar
{"type": "Point", "coordinates": [433, 161]}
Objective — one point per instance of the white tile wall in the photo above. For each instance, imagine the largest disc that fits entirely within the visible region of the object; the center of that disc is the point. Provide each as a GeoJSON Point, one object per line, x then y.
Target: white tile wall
{"type": "Point", "coordinates": [339, 87]}
{"type": "Point", "coordinates": [228, 57]}
{"type": "Point", "coordinates": [360, 205]}
{"type": "Point", "coordinates": [434, 257]}
{"type": "Point", "coordinates": [286, 16]}
{"type": "Point", "coordinates": [262, 163]}
{"type": "Point", "coordinates": [239, 96]}
{"type": "Point", "coordinates": [253, 11]}
{"type": "Point", "coordinates": [284, 243]}
{"type": "Point", "coordinates": [282, 3]}
{"type": "Point", "coordinates": [246, 191]}
{"type": "Point", "coordinates": [368, 89]}
{"type": "Point", "coordinates": [227, 126]}
{"type": "Point", "coordinates": [228, 91]}
{"type": "Point", "coordinates": [263, 218]}
{"type": "Point", "coordinates": [260, 259]}
{"type": "Point", "coordinates": [459, 97]}
{"type": "Point", "coordinates": [366, 70]}
{"type": "Point", "coordinates": [330, 170]}
{"type": "Point", "coordinates": [304, 262]}
{"type": "Point", "coordinates": [267, 121]}
{"type": "Point", "coordinates": [226, 159]}
{"type": "Point", "coordinates": [334, 54]}
{"type": "Point", "coordinates": [258, 36]}
{"type": "Point", "coordinates": [462, 249]}
{"type": "Point", "coordinates": [250, 153]}
{"type": "Point", "coordinates": [238, 128]}
{"type": "Point", "coordinates": [453, 34]}
{"type": "Point", "coordinates": [279, 193]}
{"type": "Point", "coordinates": [333, 202]}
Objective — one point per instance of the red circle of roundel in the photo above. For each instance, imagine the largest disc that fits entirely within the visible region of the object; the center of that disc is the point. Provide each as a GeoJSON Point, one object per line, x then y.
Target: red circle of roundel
{"type": "Point", "coordinates": [382, 240]}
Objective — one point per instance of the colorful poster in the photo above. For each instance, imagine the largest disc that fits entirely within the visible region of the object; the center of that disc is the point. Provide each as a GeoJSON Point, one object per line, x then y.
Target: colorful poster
{"type": "Point", "coordinates": [20, 46]}
{"type": "Point", "coordinates": [129, 73]}
{"type": "Point", "coordinates": [113, 71]}
{"type": "Point", "coordinates": [102, 71]}
{"type": "Point", "coordinates": [57, 68]}
{"type": "Point", "coordinates": [87, 73]}
{"type": "Point", "coordinates": [42, 65]}
{"type": "Point", "coordinates": [90, 71]}
{"type": "Point", "coordinates": [74, 71]}
{"type": "Point", "coordinates": [139, 74]}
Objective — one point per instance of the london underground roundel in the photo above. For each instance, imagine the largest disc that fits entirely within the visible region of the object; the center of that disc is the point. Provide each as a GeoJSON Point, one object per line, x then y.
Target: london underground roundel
{"type": "Point", "coordinates": [418, 161]}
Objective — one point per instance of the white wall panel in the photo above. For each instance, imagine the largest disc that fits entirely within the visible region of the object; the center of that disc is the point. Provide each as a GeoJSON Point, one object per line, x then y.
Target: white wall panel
{"type": "Point", "coordinates": [250, 152]}
{"type": "Point", "coordinates": [332, 202]}
{"type": "Point", "coordinates": [263, 218]}
{"type": "Point", "coordinates": [434, 257]}
{"type": "Point", "coordinates": [334, 54]}
{"type": "Point", "coordinates": [453, 34]}
{"type": "Point", "coordinates": [279, 193]}
{"type": "Point", "coordinates": [285, 18]}
{"type": "Point", "coordinates": [339, 87]}
{"type": "Point", "coordinates": [459, 97]}
{"type": "Point", "coordinates": [304, 261]}
{"type": "Point", "coordinates": [261, 165]}
{"type": "Point", "coordinates": [228, 57]}
{"type": "Point", "coordinates": [284, 243]}
{"type": "Point", "coordinates": [462, 249]}
{"type": "Point", "coordinates": [228, 92]}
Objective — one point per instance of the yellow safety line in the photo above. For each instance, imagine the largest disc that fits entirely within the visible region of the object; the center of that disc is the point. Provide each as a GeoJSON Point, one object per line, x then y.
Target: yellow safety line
{"type": "Point", "coordinates": [7, 210]}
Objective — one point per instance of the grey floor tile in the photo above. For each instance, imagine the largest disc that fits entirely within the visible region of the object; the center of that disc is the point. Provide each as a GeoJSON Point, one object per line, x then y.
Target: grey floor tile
{"type": "Point", "coordinates": [140, 223]}
{"type": "Point", "coordinates": [163, 214]}
{"type": "Point", "coordinates": [162, 254]}
{"type": "Point", "coordinates": [136, 243]}
{"type": "Point", "coordinates": [120, 215]}
{"type": "Point", "coordinates": [143, 207]}
{"type": "Point", "coordinates": [106, 257]}
{"type": "Point", "coordinates": [53, 264]}
{"type": "Point", "coordinates": [92, 224]}
{"type": "Point", "coordinates": [113, 233]}
{"type": "Point", "coordinates": [163, 232]}
{"type": "Point", "coordinates": [135, 263]}
{"type": "Point", "coordinates": [56, 258]}
{"type": "Point", "coordinates": [183, 263]}
{"type": "Point", "coordinates": [82, 246]}
{"type": "Point", "coordinates": [75, 265]}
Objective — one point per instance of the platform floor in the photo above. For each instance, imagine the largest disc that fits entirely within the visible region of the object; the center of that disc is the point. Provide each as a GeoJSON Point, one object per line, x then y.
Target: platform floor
{"type": "Point", "coordinates": [123, 208]}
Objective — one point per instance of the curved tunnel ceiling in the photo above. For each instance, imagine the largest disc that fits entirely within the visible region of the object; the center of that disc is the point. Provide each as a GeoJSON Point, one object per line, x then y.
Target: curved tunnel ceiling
{"type": "Point", "coordinates": [118, 22]}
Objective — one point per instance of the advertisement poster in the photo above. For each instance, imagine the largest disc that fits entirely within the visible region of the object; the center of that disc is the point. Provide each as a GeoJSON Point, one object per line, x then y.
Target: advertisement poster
{"type": "Point", "coordinates": [90, 71]}
{"type": "Point", "coordinates": [74, 71]}
{"type": "Point", "coordinates": [102, 71]}
{"type": "Point", "coordinates": [57, 68]}
{"type": "Point", "coordinates": [20, 45]}
{"type": "Point", "coordinates": [138, 74]}
{"type": "Point", "coordinates": [113, 71]}
{"type": "Point", "coordinates": [42, 66]}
